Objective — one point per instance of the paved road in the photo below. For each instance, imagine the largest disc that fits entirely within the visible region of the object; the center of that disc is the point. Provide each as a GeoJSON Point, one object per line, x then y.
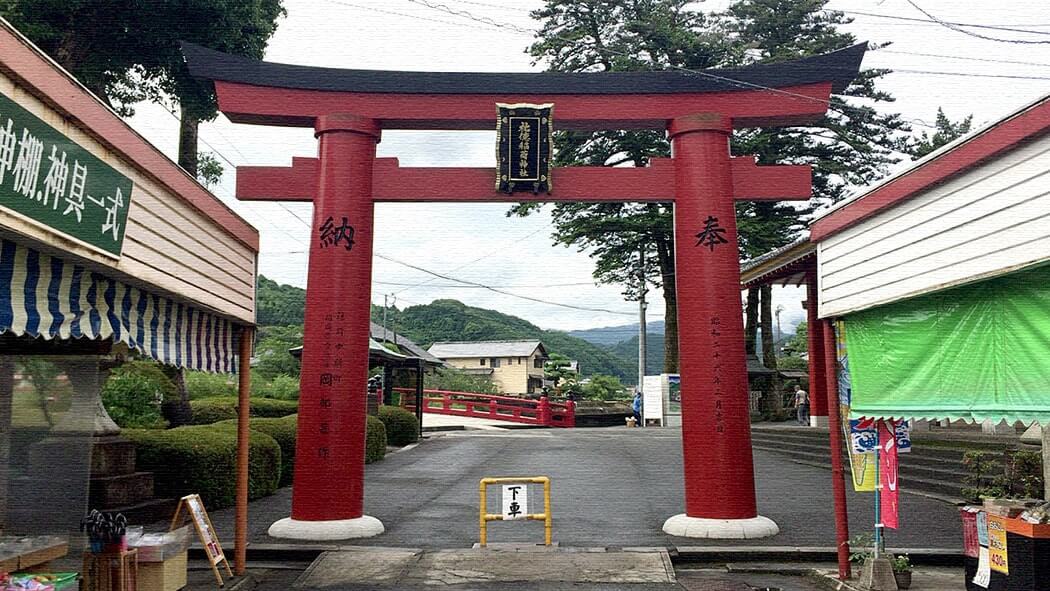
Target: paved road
{"type": "Point", "coordinates": [613, 487]}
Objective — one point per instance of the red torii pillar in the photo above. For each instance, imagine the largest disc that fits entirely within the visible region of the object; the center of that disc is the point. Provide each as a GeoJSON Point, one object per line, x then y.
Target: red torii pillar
{"type": "Point", "coordinates": [716, 428]}
{"type": "Point", "coordinates": [328, 497]}
{"type": "Point", "coordinates": [818, 388]}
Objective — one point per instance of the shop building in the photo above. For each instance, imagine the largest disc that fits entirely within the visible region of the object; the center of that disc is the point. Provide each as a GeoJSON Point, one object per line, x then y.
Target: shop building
{"type": "Point", "coordinates": [107, 249]}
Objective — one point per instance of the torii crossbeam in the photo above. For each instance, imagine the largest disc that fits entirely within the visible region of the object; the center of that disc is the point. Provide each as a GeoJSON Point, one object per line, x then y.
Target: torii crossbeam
{"type": "Point", "coordinates": [348, 110]}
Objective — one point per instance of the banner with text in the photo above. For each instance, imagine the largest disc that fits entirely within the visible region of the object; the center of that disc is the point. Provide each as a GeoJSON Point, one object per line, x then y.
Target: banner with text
{"type": "Point", "coordinates": [46, 177]}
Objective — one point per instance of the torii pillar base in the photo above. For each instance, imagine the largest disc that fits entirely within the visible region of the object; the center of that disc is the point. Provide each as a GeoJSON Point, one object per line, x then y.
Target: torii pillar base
{"type": "Point", "coordinates": [683, 526]}
{"type": "Point", "coordinates": [326, 531]}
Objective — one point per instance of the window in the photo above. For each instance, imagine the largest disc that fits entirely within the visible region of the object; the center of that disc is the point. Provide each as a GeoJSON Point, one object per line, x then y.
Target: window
{"type": "Point", "coordinates": [482, 361]}
{"type": "Point", "coordinates": [495, 361]}
{"type": "Point", "coordinates": [538, 363]}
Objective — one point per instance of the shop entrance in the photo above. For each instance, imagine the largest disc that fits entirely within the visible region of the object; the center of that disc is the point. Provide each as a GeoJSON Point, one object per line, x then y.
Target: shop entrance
{"type": "Point", "coordinates": [349, 109]}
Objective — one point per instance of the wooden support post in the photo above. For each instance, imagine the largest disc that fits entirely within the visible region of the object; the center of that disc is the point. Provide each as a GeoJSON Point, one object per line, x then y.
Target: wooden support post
{"type": "Point", "coordinates": [240, 551]}
{"type": "Point", "coordinates": [838, 485]}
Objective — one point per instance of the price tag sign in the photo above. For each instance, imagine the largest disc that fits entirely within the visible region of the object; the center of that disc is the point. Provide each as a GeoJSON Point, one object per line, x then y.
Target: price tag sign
{"type": "Point", "coordinates": [515, 502]}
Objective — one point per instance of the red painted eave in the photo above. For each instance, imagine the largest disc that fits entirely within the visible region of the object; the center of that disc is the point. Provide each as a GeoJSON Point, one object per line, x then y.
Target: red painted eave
{"type": "Point", "coordinates": [37, 74]}
{"type": "Point", "coordinates": [1005, 135]}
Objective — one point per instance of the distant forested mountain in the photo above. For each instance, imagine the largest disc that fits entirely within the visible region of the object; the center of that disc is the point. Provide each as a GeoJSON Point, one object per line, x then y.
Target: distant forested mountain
{"type": "Point", "coordinates": [611, 335]}
{"type": "Point", "coordinates": [451, 320]}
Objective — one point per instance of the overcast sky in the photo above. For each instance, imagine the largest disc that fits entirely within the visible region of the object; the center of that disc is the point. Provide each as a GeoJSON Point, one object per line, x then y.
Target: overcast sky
{"type": "Point", "coordinates": [477, 242]}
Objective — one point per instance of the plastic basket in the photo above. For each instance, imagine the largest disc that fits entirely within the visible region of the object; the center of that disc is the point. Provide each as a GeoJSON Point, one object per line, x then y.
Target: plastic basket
{"type": "Point", "coordinates": [971, 546]}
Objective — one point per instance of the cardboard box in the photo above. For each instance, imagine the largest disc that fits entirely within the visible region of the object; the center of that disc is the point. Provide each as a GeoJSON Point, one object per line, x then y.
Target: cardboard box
{"type": "Point", "coordinates": [168, 575]}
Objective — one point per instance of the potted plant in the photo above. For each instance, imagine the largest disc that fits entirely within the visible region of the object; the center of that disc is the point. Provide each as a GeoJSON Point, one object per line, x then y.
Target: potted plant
{"type": "Point", "coordinates": [902, 571]}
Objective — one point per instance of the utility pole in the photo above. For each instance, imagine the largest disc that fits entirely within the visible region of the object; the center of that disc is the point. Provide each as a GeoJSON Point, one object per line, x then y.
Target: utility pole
{"type": "Point", "coordinates": [385, 306]}
{"type": "Point", "coordinates": [641, 318]}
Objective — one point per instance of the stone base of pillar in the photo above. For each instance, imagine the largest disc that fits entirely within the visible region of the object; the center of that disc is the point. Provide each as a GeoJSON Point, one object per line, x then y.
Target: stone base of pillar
{"type": "Point", "coordinates": [683, 526]}
{"type": "Point", "coordinates": [326, 531]}
{"type": "Point", "coordinates": [821, 422]}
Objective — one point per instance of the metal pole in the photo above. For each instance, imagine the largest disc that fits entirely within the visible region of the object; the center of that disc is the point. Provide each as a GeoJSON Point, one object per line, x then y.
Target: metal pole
{"type": "Point", "coordinates": [838, 485]}
{"type": "Point", "coordinates": [642, 350]}
{"type": "Point", "coordinates": [384, 317]}
{"type": "Point", "coordinates": [878, 502]}
{"type": "Point", "coordinates": [243, 408]}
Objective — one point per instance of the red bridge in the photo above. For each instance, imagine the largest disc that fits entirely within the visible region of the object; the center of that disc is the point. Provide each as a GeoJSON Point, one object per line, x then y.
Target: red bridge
{"type": "Point", "coordinates": [500, 408]}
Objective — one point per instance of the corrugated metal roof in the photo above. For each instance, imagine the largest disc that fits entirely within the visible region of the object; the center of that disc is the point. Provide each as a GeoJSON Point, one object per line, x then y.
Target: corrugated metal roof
{"type": "Point", "coordinates": [459, 349]}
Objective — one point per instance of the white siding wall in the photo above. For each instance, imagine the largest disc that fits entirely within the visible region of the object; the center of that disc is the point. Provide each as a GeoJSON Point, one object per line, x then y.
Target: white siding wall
{"type": "Point", "coordinates": [168, 244]}
{"type": "Point", "coordinates": [988, 221]}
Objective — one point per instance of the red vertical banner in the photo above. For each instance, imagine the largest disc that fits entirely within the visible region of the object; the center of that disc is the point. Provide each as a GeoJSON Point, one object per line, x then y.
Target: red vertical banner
{"type": "Point", "coordinates": [889, 494]}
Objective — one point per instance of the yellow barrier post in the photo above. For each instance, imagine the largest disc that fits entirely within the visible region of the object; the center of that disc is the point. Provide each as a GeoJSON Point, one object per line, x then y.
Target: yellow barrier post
{"type": "Point", "coordinates": [485, 516]}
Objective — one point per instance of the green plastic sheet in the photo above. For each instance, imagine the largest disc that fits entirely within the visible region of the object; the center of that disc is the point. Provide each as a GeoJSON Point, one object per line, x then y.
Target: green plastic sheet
{"type": "Point", "coordinates": [976, 352]}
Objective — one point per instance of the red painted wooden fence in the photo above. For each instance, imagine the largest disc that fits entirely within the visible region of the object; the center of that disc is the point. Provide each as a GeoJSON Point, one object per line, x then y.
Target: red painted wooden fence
{"type": "Point", "coordinates": [500, 408]}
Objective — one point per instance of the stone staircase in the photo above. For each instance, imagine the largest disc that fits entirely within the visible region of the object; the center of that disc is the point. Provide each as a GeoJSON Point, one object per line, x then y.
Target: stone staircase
{"type": "Point", "coordinates": [932, 469]}
{"type": "Point", "coordinates": [117, 487]}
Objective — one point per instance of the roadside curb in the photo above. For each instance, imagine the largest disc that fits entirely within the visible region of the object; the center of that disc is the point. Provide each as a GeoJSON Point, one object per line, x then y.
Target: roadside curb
{"type": "Point", "coordinates": [678, 554]}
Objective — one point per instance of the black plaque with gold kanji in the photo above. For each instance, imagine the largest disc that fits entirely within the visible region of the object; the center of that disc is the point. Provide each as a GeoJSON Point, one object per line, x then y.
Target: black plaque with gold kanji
{"type": "Point", "coordinates": [523, 148]}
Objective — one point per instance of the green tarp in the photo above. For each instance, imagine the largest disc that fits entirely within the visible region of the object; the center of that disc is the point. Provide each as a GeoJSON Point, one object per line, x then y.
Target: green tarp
{"type": "Point", "coordinates": [977, 352]}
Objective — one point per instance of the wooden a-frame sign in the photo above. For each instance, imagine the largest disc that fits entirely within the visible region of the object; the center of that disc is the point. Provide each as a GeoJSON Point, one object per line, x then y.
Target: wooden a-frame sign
{"type": "Point", "coordinates": [205, 531]}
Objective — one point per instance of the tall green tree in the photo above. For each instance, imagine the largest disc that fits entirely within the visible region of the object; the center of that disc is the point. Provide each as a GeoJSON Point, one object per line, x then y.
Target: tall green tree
{"type": "Point", "coordinates": [852, 146]}
{"type": "Point", "coordinates": [946, 132]}
{"type": "Point", "coordinates": [127, 51]}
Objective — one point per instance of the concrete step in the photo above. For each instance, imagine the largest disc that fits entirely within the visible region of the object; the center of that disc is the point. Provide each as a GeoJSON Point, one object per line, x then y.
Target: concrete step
{"type": "Point", "coordinates": [945, 483]}
{"type": "Point", "coordinates": [148, 512]}
{"type": "Point", "coordinates": [111, 456]}
{"type": "Point", "coordinates": [919, 451]}
{"type": "Point", "coordinates": [122, 490]}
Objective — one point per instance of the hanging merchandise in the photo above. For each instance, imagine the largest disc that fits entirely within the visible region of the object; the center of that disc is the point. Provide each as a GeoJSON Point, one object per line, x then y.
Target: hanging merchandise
{"type": "Point", "coordinates": [889, 497]}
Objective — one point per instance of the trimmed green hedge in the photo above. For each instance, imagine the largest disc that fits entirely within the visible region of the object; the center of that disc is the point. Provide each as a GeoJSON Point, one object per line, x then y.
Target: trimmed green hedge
{"type": "Point", "coordinates": [222, 408]}
{"type": "Point", "coordinates": [402, 428]}
{"type": "Point", "coordinates": [203, 460]}
{"type": "Point", "coordinates": [283, 430]}
{"type": "Point", "coordinates": [375, 440]}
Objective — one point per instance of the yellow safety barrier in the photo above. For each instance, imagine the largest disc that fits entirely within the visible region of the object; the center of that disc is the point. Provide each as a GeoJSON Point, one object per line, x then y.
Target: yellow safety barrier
{"type": "Point", "coordinates": [545, 516]}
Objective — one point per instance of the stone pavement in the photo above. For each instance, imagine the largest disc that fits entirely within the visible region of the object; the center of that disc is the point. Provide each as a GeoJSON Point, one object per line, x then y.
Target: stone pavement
{"type": "Point", "coordinates": [922, 579]}
{"type": "Point", "coordinates": [612, 487]}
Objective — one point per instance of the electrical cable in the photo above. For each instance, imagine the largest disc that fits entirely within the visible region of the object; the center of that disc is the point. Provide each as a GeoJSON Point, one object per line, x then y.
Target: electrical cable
{"type": "Point", "coordinates": [499, 291]}
{"type": "Point", "coordinates": [934, 21]}
{"type": "Point", "coordinates": [959, 29]}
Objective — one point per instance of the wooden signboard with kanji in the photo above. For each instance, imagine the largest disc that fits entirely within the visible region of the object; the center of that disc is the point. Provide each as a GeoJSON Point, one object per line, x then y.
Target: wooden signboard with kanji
{"type": "Point", "coordinates": [194, 507]}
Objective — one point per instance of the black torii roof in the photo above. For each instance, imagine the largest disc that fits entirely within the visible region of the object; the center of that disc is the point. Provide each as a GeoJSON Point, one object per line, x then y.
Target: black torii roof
{"type": "Point", "coordinates": [838, 67]}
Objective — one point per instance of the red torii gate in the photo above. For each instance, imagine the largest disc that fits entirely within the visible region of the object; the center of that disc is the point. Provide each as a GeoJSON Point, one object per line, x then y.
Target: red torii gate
{"type": "Point", "coordinates": [348, 110]}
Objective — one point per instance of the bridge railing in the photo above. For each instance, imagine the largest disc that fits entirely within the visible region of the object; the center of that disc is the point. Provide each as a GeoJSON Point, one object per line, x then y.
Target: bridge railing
{"type": "Point", "coordinates": [500, 408]}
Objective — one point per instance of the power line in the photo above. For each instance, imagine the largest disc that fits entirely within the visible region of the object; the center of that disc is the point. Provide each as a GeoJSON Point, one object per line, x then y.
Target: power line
{"type": "Point", "coordinates": [457, 286]}
{"type": "Point", "coordinates": [402, 14]}
{"type": "Point", "coordinates": [732, 81]}
{"type": "Point", "coordinates": [234, 166]}
{"type": "Point", "coordinates": [959, 29]}
{"type": "Point", "coordinates": [964, 58]}
{"type": "Point", "coordinates": [933, 21]}
{"type": "Point", "coordinates": [481, 258]}
{"type": "Point", "coordinates": [971, 75]}
{"type": "Point", "coordinates": [499, 291]}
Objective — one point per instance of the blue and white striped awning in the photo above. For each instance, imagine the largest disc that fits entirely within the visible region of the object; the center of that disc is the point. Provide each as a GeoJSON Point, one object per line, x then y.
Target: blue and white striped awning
{"type": "Point", "coordinates": [44, 296]}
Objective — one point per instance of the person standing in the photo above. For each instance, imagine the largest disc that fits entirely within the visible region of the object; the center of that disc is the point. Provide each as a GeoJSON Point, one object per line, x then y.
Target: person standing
{"type": "Point", "coordinates": [801, 404]}
{"type": "Point", "coordinates": [636, 406]}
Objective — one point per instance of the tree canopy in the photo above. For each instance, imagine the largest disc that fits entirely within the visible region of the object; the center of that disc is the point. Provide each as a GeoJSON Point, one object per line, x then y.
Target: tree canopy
{"type": "Point", "coordinates": [853, 145]}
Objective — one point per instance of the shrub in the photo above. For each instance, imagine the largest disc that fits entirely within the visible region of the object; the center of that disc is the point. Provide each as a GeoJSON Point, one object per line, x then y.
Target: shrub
{"type": "Point", "coordinates": [375, 440]}
{"type": "Point", "coordinates": [212, 410]}
{"type": "Point", "coordinates": [283, 430]}
{"type": "Point", "coordinates": [152, 371]}
{"type": "Point", "coordinates": [203, 460]}
{"type": "Point", "coordinates": [401, 425]}
{"type": "Point", "coordinates": [282, 387]}
{"type": "Point", "coordinates": [265, 461]}
{"type": "Point", "coordinates": [210, 385]}
{"type": "Point", "coordinates": [133, 399]}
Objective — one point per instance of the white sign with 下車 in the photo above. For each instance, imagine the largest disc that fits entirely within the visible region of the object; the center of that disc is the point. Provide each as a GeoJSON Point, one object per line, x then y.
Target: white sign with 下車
{"type": "Point", "coordinates": [515, 501]}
